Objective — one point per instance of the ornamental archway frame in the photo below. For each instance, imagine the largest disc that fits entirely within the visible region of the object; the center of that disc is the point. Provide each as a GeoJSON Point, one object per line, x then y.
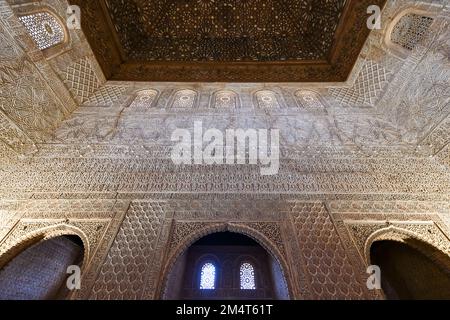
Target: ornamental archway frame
{"type": "Point", "coordinates": [189, 240]}
{"type": "Point", "coordinates": [415, 241]}
{"type": "Point", "coordinates": [8, 251]}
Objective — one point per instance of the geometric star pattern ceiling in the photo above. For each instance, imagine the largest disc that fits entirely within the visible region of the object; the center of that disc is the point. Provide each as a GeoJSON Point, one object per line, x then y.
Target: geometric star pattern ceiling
{"type": "Point", "coordinates": [226, 30]}
{"type": "Point", "coordinates": [226, 40]}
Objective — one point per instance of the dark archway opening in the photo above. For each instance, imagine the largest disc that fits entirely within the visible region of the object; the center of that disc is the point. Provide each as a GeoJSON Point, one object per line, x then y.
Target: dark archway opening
{"type": "Point", "coordinates": [409, 274]}
{"type": "Point", "coordinates": [40, 271]}
{"type": "Point", "coordinates": [226, 265]}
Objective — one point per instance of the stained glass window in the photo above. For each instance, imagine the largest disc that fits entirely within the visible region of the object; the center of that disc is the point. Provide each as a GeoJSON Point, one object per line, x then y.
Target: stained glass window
{"type": "Point", "coordinates": [44, 28]}
{"type": "Point", "coordinates": [247, 277]}
{"type": "Point", "coordinates": [208, 277]}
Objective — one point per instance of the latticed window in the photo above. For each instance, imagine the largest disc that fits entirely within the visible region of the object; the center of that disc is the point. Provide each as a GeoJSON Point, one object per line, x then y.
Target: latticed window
{"type": "Point", "coordinates": [410, 30]}
{"type": "Point", "coordinates": [308, 99]}
{"type": "Point", "coordinates": [208, 277]}
{"type": "Point", "coordinates": [184, 99]}
{"type": "Point", "coordinates": [144, 99]}
{"type": "Point", "coordinates": [225, 99]}
{"type": "Point", "coordinates": [247, 277]}
{"type": "Point", "coordinates": [44, 28]}
{"type": "Point", "coordinates": [267, 99]}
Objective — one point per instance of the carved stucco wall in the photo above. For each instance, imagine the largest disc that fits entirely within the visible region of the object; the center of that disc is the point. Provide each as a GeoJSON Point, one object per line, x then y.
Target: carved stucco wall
{"type": "Point", "coordinates": [27, 222]}
{"type": "Point", "coordinates": [38, 92]}
{"type": "Point", "coordinates": [375, 154]}
{"type": "Point", "coordinates": [320, 244]}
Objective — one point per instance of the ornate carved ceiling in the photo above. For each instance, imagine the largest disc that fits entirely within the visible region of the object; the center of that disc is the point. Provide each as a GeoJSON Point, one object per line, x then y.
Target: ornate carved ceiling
{"type": "Point", "coordinates": [232, 30]}
{"type": "Point", "coordinates": [232, 40]}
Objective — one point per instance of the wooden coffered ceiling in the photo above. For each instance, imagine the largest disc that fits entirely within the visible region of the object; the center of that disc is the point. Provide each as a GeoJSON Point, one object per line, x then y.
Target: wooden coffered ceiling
{"type": "Point", "coordinates": [226, 40]}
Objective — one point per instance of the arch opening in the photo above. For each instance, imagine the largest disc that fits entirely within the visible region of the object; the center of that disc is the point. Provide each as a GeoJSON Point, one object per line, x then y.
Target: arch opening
{"type": "Point", "coordinates": [39, 272]}
{"type": "Point", "coordinates": [233, 257]}
{"type": "Point", "coordinates": [410, 273]}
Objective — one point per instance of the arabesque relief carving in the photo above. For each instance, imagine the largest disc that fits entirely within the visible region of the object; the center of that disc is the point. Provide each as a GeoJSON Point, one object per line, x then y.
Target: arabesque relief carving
{"type": "Point", "coordinates": [85, 155]}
